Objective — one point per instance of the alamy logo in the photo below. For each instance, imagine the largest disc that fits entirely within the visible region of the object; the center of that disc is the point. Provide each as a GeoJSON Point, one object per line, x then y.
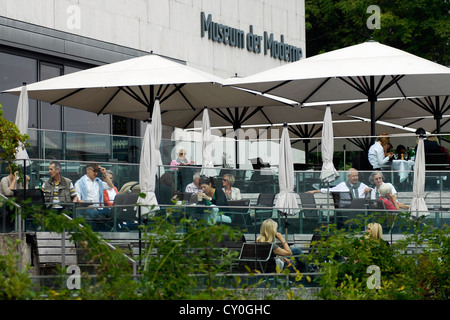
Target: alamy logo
{"type": "Point", "coordinates": [74, 280]}
{"type": "Point", "coordinates": [374, 21]}
{"type": "Point", "coordinates": [374, 281]}
{"type": "Point", "coordinates": [74, 19]}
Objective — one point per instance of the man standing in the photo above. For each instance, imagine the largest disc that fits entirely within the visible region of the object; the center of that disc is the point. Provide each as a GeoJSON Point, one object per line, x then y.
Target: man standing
{"type": "Point", "coordinates": [356, 188]}
{"type": "Point", "coordinates": [58, 189]}
{"type": "Point", "coordinates": [377, 153]}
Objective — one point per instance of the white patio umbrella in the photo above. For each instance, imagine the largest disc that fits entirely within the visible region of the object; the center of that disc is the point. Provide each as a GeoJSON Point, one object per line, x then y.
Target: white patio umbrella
{"type": "Point", "coordinates": [329, 172]}
{"type": "Point", "coordinates": [157, 136]}
{"type": "Point", "coordinates": [129, 88]}
{"type": "Point", "coordinates": [286, 200]}
{"type": "Point", "coordinates": [418, 206]}
{"type": "Point", "coordinates": [368, 70]}
{"type": "Point", "coordinates": [147, 173]}
{"type": "Point", "coordinates": [22, 123]}
{"type": "Point", "coordinates": [207, 146]}
{"type": "Point", "coordinates": [150, 162]}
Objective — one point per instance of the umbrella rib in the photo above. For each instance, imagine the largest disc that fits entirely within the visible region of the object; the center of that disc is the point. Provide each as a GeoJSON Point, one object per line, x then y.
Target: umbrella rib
{"type": "Point", "coordinates": [351, 108]}
{"type": "Point", "coordinates": [444, 103]}
{"type": "Point", "coordinates": [67, 96]}
{"type": "Point", "coordinates": [395, 81]}
{"type": "Point", "coordinates": [134, 95]}
{"type": "Point", "coordinates": [172, 92]}
{"type": "Point", "coordinates": [109, 101]}
{"type": "Point", "coordinates": [277, 86]}
{"type": "Point", "coordinates": [315, 90]}
{"type": "Point", "coordinates": [186, 99]}
{"type": "Point", "coordinates": [187, 125]}
{"type": "Point", "coordinates": [258, 109]}
{"type": "Point", "coordinates": [354, 85]}
{"type": "Point", "coordinates": [422, 105]}
{"type": "Point", "coordinates": [222, 114]}
{"type": "Point", "coordinates": [145, 96]}
{"type": "Point", "coordinates": [387, 110]}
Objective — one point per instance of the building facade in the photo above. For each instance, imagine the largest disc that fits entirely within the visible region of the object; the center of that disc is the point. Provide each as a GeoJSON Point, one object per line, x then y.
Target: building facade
{"type": "Point", "coordinates": [41, 39]}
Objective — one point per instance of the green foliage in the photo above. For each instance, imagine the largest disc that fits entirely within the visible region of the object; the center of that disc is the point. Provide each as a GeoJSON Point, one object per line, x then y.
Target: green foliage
{"type": "Point", "coordinates": [14, 285]}
{"type": "Point", "coordinates": [10, 139]}
{"type": "Point", "coordinates": [418, 27]}
{"type": "Point", "coordinates": [344, 259]}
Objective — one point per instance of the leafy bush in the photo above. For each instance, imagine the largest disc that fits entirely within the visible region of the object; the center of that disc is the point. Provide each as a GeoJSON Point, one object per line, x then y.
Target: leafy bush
{"type": "Point", "coordinates": [344, 259]}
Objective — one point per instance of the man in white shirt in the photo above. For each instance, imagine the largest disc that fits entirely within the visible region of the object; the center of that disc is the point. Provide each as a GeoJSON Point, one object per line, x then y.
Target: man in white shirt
{"type": "Point", "coordinates": [357, 189]}
{"type": "Point", "coordinates": [89, 187]}
{"type": "Point", "coordinates": [377, 157]}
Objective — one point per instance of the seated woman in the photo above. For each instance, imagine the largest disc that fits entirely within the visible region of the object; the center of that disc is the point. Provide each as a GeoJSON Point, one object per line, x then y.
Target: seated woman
{"type": "Point", "coordinates": [181, 159]}
{"type": "Point", "coordinates": [269, 233]}
{"type": "Point", "coordinates": [232, 193]}
{"type": "Point", "coordinates": [387, 197]}
{"type": "Point", "coordinates": [377, 178]}
{"type": "Point", "coordinates": [374, 231]}
{"type": "Point", "coordinates": [109, 193]}
{"type": "Point", "coordinates": [212, 196]}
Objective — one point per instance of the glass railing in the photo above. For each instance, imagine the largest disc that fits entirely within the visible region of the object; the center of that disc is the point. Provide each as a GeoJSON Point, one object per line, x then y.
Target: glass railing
{"type": "Point", "coordinates": [251, 184]}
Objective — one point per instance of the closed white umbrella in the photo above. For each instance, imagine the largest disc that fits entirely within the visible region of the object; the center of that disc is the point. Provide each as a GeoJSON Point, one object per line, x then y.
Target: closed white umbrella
{"type": "Point", "coordinates": [22, 122]}
{"type": "Point", "coordinates": [286, 200]}
{"type": "Point", "coordinates": [157, 136]}
{"type": "Point", "coordinates": [418, 206]}
{"type": "Point", "coordinates": [149, 162]}
{"type": "Point", "coordinates": [207, 146]}
{"type": "Point", "coordinates": [328, 173]}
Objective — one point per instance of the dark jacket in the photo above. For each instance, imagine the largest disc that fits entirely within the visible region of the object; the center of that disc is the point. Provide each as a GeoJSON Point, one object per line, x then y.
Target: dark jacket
{"type": "Point", "coordinates": [66, 190]}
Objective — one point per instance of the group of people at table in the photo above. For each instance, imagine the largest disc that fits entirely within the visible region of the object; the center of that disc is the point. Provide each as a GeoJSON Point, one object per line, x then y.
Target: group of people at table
{"type": "Point", "coordinates": [380, 153]}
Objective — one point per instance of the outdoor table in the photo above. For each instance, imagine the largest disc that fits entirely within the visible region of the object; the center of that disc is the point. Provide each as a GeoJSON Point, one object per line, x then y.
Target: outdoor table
{"type": "Point", "coordinates": [402, 166]}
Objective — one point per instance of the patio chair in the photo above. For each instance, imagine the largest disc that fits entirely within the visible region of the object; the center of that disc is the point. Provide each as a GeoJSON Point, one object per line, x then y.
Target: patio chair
{"type": "Point", "coordinates": [264, 208]}
{"type": "Point", "coordinates": [256, 256]}
{"type": "Point", "coordinates": [240, 216]}
{"type": "Point", "coordinates": [126, 219]}
{"type": "Point", "coordinates": [310, 216]}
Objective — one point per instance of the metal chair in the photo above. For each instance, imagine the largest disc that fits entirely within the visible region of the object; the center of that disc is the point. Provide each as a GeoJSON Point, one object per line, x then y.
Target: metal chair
{"type": "Point", "coordinates": [256, 256]}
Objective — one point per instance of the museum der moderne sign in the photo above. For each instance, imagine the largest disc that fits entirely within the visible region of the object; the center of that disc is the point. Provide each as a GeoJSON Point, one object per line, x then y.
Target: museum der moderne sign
{"type": "Point", "coordinates": [254, 43]}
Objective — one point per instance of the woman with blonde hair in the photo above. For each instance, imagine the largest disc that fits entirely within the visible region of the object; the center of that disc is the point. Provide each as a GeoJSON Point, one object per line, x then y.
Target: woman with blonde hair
{"type": "Point", "coordinates": [374, 231]}
{"type": "Point", "coordinates": [269, 233]}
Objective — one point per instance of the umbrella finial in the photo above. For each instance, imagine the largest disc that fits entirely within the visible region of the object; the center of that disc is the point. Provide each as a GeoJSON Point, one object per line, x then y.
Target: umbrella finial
{"type": "Point", "coordinates": [24, 83]}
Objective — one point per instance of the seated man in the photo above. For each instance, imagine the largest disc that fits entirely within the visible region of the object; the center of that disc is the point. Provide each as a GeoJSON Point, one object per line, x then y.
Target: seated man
{"type": "Point", "coordinates": [58, 189]}
{"type": "Point", "coordinates": [89, 187]}
{"type": "Point", "coordinates": [356, 188]}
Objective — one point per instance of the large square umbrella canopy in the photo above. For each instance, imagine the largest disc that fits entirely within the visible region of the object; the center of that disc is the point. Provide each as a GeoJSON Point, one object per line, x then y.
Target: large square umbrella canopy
{"type": "Point", "coordinates": [129, 88]}
{"type": "Point", "coordinates": [365, 71]}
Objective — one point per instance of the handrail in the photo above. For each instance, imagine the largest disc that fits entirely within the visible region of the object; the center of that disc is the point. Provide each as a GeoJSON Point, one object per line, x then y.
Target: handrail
{"type": "Point", "coordinates": [132, 261]}
{"type": "Point", "coordinates": [19, 227]}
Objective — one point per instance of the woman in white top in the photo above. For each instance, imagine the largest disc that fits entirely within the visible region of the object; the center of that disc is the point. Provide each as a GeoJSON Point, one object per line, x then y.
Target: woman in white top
{"type": "Point", "coordinates": [232, 193]}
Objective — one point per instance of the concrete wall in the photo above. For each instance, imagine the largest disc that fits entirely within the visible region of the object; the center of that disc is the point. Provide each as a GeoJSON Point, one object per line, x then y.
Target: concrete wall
{"type": "Point", "coordinates": [172, 27]}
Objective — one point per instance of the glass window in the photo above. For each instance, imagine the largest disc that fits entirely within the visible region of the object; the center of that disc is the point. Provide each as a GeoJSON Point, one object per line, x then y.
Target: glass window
{"type": "Point", "coordinates": [84, 121]}
{"type": "Point", "coordinates": [50, 114]}
{"type": "Point", "coordinates": [14, 71]}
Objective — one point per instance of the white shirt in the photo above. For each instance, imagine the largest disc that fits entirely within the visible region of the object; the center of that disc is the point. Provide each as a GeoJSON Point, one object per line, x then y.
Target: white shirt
{"type": "Point", "coordinates": [92, 191]}
{"type": "Point", "coordinates": [373, 193]}
{"type": "Point", "coordinates": [343, 187]}
{"type": "Point", "coordinates": [376, 156]}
